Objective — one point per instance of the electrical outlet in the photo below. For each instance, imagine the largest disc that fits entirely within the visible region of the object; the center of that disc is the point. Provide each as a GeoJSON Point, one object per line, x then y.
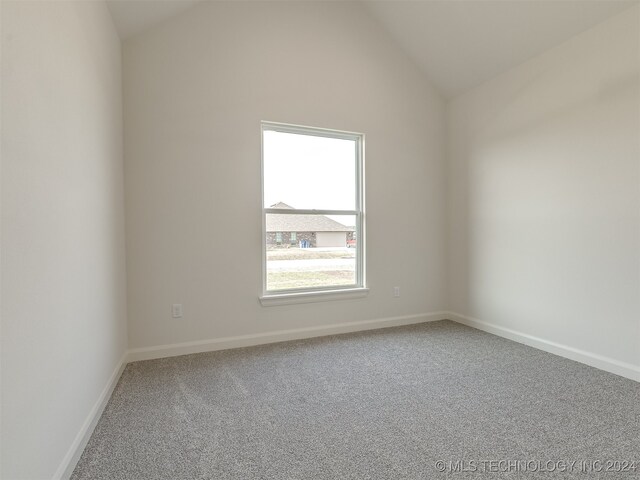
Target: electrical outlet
{"type": "Point", "coordinates": [396, 291]}
{"type": "Point", "coordinates": [176, 310]}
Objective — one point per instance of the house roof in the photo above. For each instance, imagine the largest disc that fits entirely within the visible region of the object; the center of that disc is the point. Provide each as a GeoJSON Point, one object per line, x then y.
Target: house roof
{"type": "Point", "coordinates": [281, 205]}
{"type": "Point", "coordinates": [302, 223]}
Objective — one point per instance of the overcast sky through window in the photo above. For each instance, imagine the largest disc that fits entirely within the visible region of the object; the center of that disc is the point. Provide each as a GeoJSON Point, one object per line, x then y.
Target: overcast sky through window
{"type": "Point", "coordinates": [305, 171]}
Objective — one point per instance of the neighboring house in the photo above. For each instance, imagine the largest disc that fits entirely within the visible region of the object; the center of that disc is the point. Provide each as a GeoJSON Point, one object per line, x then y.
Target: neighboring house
{"type": "Point", "coordinates": [305, 230]}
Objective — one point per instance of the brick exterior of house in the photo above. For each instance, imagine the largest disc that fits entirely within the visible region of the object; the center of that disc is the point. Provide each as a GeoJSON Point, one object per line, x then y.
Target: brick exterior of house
{"type": "Point", "coordinates": [281, 227]}
{"type": "Point", "coordinates": [310, 237]}
{"type": "Point", "coordinates": [286, 239]}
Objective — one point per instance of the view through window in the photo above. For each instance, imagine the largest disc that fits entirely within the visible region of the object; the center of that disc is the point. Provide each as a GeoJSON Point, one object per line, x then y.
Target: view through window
{"type": "Point", "coordinates": [313, 216]}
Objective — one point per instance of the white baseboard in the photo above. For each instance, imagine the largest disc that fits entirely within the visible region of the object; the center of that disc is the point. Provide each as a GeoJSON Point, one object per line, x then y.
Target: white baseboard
{"type": "Point", "coordinates": [77, 447]}
{"type": "Point", "coordinates": [82, 438]}
{"type": "Point", "coordinates": [601, 362]}
{"type": "Point", "coordinates": [224, 343]}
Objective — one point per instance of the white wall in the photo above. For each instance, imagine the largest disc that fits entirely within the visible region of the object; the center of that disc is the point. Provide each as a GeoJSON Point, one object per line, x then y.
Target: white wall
{"type": "Point", "coordinates": [63, 274]}
{"type": "Point", "coordinates": [196, 89]}
{"type": "Point", "coordinates": [544, 197]}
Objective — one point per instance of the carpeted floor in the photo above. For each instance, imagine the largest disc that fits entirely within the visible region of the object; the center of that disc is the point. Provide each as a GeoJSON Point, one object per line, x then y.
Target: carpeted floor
{"type": "Point", "coordinates": [430, 401]}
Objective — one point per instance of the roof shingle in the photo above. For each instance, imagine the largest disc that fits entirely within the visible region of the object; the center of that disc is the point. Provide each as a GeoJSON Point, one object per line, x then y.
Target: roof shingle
{"type": "Point", "coordinates": [302, 223]}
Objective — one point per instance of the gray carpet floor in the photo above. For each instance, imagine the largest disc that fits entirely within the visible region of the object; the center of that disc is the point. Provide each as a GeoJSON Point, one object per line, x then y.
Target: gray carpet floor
{"type": "Point", "coordinates": [397, 403]}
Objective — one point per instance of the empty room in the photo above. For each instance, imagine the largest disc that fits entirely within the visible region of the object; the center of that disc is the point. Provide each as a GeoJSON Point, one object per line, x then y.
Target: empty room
{"type": "Point", "coordinates": [311, 239]}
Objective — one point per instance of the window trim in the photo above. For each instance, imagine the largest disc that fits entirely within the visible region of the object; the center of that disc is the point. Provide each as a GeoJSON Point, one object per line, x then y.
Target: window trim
{"type": "Point", "coordinates": [304, 295]}
{"type": "Point", "coordinates": [274, 299]}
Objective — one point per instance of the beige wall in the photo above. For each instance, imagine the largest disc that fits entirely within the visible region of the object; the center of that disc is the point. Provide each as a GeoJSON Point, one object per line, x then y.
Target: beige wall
{"type": "Point", "coordinates": [196, 89]}
{"type": "Point", "coordinates": [544, 197]}
{"type": "Point", "coordinates": [63, 275]}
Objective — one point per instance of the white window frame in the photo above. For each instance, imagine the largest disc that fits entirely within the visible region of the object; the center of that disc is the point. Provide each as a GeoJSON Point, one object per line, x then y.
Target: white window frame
{"type": "Point", "coordinates": [306, 295]}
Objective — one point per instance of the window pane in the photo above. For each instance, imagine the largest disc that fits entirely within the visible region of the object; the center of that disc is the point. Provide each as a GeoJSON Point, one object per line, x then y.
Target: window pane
{"type": "Point", "coordinates": [324, 254]}
{"type": "Point", "coordinates": [305, 171]}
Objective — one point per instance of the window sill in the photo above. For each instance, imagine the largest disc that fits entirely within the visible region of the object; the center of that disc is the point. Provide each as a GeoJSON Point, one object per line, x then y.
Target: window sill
{"type": "Point", "coordinates": [312, 297]}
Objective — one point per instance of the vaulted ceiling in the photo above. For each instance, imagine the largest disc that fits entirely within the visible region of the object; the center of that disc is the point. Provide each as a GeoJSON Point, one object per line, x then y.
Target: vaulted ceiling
{"type": "Point", "coordinates": [457, 43]}
{"type": "Point", "coordinates": [134, 16]}
{"type": "Point", "coordinates": [460, 44]}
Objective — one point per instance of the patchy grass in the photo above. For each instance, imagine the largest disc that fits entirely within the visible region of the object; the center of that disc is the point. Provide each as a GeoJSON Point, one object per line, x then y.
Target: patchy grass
{"type": "Point", "coordinates": [308, 254]}
{"type": "Point", "coordinates": [329, 278]}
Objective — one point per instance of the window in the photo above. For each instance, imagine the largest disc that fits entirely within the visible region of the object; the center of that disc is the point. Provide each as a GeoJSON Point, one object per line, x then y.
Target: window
{"type": "Point", "coordinates": [313, 189]}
